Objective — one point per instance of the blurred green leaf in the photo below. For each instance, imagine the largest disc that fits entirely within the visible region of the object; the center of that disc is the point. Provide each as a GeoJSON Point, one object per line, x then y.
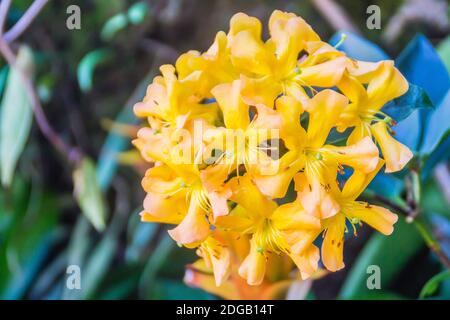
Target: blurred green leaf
{"type": "Point", "coordinates": [87, 65]}
{"type": "Point", "coordinates": [3, 77]}
{"type": "Point", "coordinates": [88, 193]}
{"type": "Point", "coordinates": [28, 240]}
{"type": "Point", "coordinates": [113, 25]}
{"type": "Point", "coordinates": [389, 253]}
{"type": "Point", "coordinates": [16, 116]}
{"type": "Point", "coordinates": [139, 235]}
{"type": "Point", "coordinates": [432, 199]}
{"type": "Point", "coordinates": [154, 264]}
{"type": "Point", "coordinates": [137, 12]}
{"type": "Point", "coordinates": [116, 143]}
{"type": "Point", "coordinates": [432, 285]}
{"type": "Point", "coordinates": [166, 289]}
{"type": "Point", "coordinates": [444, 52]}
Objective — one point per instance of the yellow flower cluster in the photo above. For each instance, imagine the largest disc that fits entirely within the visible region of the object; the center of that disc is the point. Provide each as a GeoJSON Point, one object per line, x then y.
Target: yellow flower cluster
{"type": "Point", "coordinates": [234, 130]}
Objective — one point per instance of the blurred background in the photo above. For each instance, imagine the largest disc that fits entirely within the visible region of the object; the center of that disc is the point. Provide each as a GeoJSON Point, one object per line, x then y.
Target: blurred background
{"type": "Point", "coordinates": [87, 80]}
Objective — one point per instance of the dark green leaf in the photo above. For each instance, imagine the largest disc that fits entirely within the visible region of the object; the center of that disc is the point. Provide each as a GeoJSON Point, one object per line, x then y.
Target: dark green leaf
{"type": "Point", "coordinates": [402, 107]}
{"type": "Point", "coordinates": [389, 253]}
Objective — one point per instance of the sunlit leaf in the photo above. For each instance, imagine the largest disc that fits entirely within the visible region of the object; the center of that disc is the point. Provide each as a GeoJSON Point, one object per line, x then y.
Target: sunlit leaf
{"type": "Point", "coordinates": [138, 12]}
{"type": "Point", "coordinates": [88, 193]}
{"type": "Point", "coordinates": [15, 117]}
{"type": "Point", "coordinates": [113, 26]}
{"type": "Point", "coordinates": [87, 65]}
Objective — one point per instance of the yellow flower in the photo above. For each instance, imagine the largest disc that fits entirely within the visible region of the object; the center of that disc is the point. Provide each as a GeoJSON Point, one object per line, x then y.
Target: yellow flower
{"type": "Point", "coordinates": [170, 101]}
{"type": "Point", "coordinates": [229, 130]}
{"type": "Point", "coordinates": [273, 230]}
{"type": "Point", "coordinates": [271, 68]}
{"type": "Point", "coordinates": [309, 152]}
{"type": "Point", "coordinates": [355, 212]}
{"type": "Point", "coordinates": [384, 83]}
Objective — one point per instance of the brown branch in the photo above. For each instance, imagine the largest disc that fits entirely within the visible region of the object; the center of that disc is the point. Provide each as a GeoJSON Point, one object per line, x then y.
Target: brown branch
{"type": "Point", "coordinates": [4, 9]}
{"type": "Point", "coordinates": [442, 177]}
{"type": "Point", "coordinates": [25, 21]}
{"type": "Point", "coordinates": [335, 15]}
{"type": "Point", "coordinates": [71, 153]}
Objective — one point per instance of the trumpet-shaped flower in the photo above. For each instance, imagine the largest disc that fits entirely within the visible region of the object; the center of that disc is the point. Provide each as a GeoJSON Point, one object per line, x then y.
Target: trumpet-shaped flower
{"type": "Point", "coordinates": [384, 83]}
{"type": "Point", "coordinates": [309, 152]}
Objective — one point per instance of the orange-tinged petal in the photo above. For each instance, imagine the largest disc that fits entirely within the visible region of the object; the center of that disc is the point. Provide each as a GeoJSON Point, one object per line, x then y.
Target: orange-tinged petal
{"type": "Point", "coordinates": [253, 268]}
{"type": "Point", "coordinates": [199, 276]}
{"type": "Point", "coordinates": [235, 111]}
{"type": "Point", "coordinates": [324, 110]}
{"type": "Point", "coordinates": [262, 90]}
{"type": "Point", "coordinates": [241, 22]}
{"type": "Point", "coordinates": [249, 54]}
{"type": "Point", "coordinates": [213, 180]}
{"type": "Point", "coordinates": [314, 193]}
{"type": "Point", "coordinates": [352, 88]}
{"type": "Point", "coordinates": [396, 154]}
{"type": "Point", "coordinates": [291, 131]}
{"type": "Point", "coordinates": [194, 228]}
{"type": "Point", "coordinates": [325, 75]}
{"type": "Point", "coordinates": [164, 209]}
{"type": "Point", "coordinates": [307, 262]}
{"type": "Point", "coordinates": [247, 195]}
{"type": "Point", "coordinates": [289, 34]}
{"type": "Point", "coordinates": [360, 131]}
{"type": "Point", "coordinates": [387, 85]}
{"type": "Point", "coordinates": [301, 240]}
{"type": "Point", "coordinates": [291, 216]}
{"type": "Point", "coordinates": [333, 243]}
{"type": "Point", "coordinates": [362, 155]}
{"type": "Point", "coordinates": [377, 217]}
{"type": "Point", "coordinates": [238, 220]}
{"type": "Point", "coordinates": [218, 257]}
{"type": "Point", "coordinates": [358, 182]}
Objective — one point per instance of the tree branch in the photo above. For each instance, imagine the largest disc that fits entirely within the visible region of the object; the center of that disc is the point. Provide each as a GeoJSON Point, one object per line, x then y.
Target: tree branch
{"type": "Point", "coordinates": [25, 21]}
{"type": "Point", "coordinates": [335, 15]}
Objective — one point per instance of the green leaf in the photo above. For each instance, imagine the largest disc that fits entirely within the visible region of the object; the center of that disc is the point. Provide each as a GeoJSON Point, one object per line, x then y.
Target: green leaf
{"type": "Point", "coordinates": [444, 52]}
{"type": "Point", "coordinates": [154, 264]}
{"type": "Point", "coordinates": [116, 143]}
{"type": "Point", "coordinates": [137, 12]}
{"type": "Point", "coordinates": [88, 193]}
{"type": "Point", "coordinates": [402, 107]}
{"type": "Point", "coordinates": [113, 25]}
{"type": "Point", "coordinates": [432, 285]}
{"type": "Point", "coordinates": [87, 65]}
{"type": "Point", "coordinates": [390, 253]}
{"type": "Point", "coordinates": [15, 117]}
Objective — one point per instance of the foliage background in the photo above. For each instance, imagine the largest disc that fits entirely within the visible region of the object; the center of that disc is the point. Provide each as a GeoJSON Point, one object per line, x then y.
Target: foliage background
{"type": "Point", "coordinates": [88, 80]}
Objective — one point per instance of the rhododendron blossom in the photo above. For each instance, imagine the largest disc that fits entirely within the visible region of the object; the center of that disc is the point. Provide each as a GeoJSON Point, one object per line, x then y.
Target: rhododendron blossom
{"type": "Point", "coordinates": [243, 164]}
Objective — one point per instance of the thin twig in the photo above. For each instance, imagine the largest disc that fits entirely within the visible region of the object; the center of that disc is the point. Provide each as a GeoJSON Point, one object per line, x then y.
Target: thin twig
{"type": "Point", "coordinates": [428, 237]}
{"type": "Point", "coordinates": [72, 154]}
{"type": "Point", "coordinates": [442, 177]}
{"type": "Point", "coordinates": [25, 21]}
{"type": "Point", "coordinates": [335, 15]}
{"type": "Point", "coordinates": [4, 8]}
